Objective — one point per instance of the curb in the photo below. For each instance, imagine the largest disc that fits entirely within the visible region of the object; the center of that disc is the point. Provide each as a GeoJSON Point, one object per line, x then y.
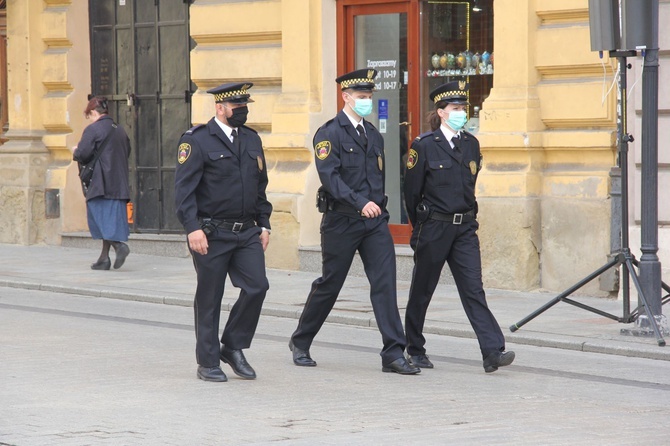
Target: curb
{"type": "Point", "coordinates": [604, 346]}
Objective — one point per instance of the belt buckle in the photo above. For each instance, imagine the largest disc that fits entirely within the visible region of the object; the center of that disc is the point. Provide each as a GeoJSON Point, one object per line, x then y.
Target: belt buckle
{"type": "Point", "coordinates": [458, 219]}
{"type": "Point", "coordinates": [237, 227]}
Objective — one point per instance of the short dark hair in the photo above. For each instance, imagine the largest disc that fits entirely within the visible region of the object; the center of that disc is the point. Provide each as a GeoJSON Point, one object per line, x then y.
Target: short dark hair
{"type": "Point", "coordinates": [97, 103]}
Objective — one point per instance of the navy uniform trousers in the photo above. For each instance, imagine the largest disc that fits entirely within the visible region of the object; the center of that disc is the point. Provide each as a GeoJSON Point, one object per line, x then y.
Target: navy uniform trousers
{"type": "Point", "coordinates": [436, 242]}
{"type": "Point", "coordinates": [341, 236]}
{"type": "Point", "coordinates": [239, 255]}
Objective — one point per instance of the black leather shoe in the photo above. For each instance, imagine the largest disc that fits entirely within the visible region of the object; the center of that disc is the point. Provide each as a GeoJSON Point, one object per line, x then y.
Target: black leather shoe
{"type": "Point", "coordinates": [421, 361]}
{"type": "Point", "coordinates": [213, 374]}
{"type": "Point", "coordinates": [237, 361]}
{"type": "Point", "coordinates": [301, 357]}
{"type": "Point", "coordinates": [121, 253]}
{"type": "Point", "coordinates": [102, 264]}
{"type": "Point", "coordinates": [497, 359]}
{"type": "Point", "coordinates": [401, 366]}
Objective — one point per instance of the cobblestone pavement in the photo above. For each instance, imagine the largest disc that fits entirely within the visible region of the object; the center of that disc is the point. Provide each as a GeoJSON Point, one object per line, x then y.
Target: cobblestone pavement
{"type": "Point", "coordinates": [79, 370]}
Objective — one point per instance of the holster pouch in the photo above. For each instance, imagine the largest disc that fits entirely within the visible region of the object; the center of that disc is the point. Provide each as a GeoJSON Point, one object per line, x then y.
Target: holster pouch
{"type": "Point", "coordinates": [422, 212]}
{"type": "Point", "coordinates": [207, 226]}
{"type": "Point", "coordinates": [322, 201]}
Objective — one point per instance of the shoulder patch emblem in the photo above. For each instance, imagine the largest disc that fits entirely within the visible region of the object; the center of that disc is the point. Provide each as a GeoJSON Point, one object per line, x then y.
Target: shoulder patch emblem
{"type": "Point", "coordinates": [184, 152]}
{"type": "Point", "coordinates": [260, 163]}
{"type": "Point", "coordinates": [412, 158]}
{"type": "Point", "coordinates": [322, 150]}
{"type": "Point", "coordinates": [473, 168]}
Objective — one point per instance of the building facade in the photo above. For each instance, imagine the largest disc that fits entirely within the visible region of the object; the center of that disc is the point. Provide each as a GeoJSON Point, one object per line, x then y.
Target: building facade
{"type": "Point", "coordinates": [545, 113]}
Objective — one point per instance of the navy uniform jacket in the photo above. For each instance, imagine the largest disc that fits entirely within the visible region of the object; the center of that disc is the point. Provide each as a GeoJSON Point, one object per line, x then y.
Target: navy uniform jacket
{"type": "Point", "coordinates": [110, 173]}
{"type": "Point", "coordinates": [211, 181]}
{"type": "Point", "coordinates": [349, 172]}
{"type": "Point", "coordinates": [441, 177]}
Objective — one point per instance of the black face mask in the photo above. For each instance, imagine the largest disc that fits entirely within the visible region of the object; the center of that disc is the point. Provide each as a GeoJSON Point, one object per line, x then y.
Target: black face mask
{"type": "Point", "coordinates": [239, 116]}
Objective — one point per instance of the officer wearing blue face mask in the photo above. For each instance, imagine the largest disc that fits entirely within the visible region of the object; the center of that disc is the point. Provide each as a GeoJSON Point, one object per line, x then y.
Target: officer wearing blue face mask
{"type": "Point", "coordinates": [349, 157]}
{"type": "Point", "coordinates": [439, 189]}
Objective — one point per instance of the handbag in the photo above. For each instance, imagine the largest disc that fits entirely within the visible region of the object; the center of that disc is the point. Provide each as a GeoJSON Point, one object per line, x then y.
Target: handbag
{"type": "Point", "coordinates": [86, 170]}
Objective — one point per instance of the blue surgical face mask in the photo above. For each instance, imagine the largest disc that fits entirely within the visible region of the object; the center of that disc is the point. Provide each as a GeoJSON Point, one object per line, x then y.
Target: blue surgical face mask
{"type": "Point", "coordinates": [456, 119]}
{"type": "Point", "coordinates": [362, 107]}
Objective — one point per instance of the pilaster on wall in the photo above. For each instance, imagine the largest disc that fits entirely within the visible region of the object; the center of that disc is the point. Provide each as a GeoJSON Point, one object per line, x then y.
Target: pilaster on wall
{"type": "Point", "coordinates": [510, 136]}
{"type": "Point", "coordinates": [42, 76]}
{"type": "Point", "coordinates": [279, 52]}
{"type": "Point", "coordinates": [548, 139]}
{"type": "Point", "coordinates": [23, 158]}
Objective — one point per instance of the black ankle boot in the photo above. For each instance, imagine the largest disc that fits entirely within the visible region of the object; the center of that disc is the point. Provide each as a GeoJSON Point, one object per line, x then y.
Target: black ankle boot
{"type": "Point", "coordinates": [102, 264]}
{"type": "Point", "coordinates": [122, 251]}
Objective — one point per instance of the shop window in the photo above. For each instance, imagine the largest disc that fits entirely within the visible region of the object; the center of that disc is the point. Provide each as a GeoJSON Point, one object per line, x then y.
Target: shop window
{"type": "Point", "coordinates": [457, 44]}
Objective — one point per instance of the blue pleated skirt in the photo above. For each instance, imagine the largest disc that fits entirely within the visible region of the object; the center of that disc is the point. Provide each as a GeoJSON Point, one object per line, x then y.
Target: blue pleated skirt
{"type": "Point", "coordinates": [108, 219]}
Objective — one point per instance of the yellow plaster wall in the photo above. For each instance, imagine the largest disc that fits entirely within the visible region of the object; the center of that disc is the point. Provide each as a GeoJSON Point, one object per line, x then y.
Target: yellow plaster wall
{"type": "Point", "coordinates": [280, 52]}
{"type": "Point", "coordinates": [548, 138]}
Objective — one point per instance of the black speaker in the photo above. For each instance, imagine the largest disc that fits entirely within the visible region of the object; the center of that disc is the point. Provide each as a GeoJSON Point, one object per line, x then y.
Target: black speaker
{"type": "Point", "coordinates": [604, 25]}
{"type": "Point", "coordinates": [640, 27]}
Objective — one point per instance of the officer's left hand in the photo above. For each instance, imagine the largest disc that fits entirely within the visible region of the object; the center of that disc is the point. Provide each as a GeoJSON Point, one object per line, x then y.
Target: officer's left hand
{"type": "Point", "coordinates": [265, 239]}
{"type": "Point", "coordinates": [197, 241]}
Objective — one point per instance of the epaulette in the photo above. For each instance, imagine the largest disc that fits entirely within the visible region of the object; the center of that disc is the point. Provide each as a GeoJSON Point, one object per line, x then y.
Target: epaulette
{"type": "Point", "coordinates": [373, 126]}
{"type": "Point", "coordinates": [326, 124]}
{"type": "Point", "coordinates": [468, 134]}
{"type": "Point", "coordinates": [249, 128]}
{"type": "Point", "coordinates": [423, 135]}
{"type": "Point", "coordinates": [192, 129]}
{"type": "Point", "coordinates": [323, 127]}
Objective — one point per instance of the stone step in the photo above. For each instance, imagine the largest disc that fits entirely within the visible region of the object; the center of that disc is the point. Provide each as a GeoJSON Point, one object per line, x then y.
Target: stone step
{"type": "Point", "coordinates": [167, 245]}
{"type": "Point", "coordinates": [310, 260]}
{"type": "Point", "coordinates": [174, 245]}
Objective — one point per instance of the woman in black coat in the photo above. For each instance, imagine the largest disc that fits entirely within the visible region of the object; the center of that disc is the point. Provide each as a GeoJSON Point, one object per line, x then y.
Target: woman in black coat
{"type": "Point", "coordinates": [108, 193]}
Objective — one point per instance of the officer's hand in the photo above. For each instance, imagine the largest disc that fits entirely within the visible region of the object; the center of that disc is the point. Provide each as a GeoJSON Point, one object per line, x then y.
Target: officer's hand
{"type": "Point", "coordinates": [371, 210]}
{"type": "Point", "coordinates": [265, 239]}
{"type": "Point", "coordinates": [197, 241]}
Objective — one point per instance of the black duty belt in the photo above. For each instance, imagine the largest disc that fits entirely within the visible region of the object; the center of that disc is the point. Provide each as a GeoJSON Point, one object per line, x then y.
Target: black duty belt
{"type": "Point", "coordinates": [345, 209]}
{"type": "Point", "coordinates": [235, 226]}
{"type": "Point", "coordinates": [455, 219]}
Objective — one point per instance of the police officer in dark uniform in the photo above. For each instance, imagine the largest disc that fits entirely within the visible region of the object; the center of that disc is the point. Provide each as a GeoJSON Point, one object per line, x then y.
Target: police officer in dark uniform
{"type": "Point", "coordinates": [349, 156]}
{"type": "Point", "coordinates": [220, 185]}
{"type": "Point", "coordinates": [439, 189]}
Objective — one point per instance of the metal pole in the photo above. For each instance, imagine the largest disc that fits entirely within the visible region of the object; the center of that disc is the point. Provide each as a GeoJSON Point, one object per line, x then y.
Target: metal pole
{"type": "Point", "coordinates": [650, 266]}
{"type": "Point", "coordinates": [624, 138]}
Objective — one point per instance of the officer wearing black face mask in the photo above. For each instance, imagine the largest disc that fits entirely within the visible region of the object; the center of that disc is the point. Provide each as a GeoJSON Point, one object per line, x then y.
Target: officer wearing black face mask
{"type": "Point", "coordinates": [220, 184]}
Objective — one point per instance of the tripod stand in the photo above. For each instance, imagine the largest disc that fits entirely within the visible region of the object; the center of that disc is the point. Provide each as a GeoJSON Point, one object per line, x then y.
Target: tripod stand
{"type": "Point", "coordinates": [624, 257]}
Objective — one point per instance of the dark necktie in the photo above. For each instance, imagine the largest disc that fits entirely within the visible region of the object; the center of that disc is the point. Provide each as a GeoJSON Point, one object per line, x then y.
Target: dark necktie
{"type": "Point", "coordinates": [456, 141]}
{"type": "Point", "coordinates": [362, 134]}
{"type": "Point", "coordinates": [236, 142]}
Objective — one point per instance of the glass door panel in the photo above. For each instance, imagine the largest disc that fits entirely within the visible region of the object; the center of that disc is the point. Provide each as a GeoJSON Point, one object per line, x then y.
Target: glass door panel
{"type": "Point", "coordinates": [381, 43]}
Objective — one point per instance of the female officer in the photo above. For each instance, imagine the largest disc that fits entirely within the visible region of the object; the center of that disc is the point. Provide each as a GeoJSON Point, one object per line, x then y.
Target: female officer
{"type": "Point", "coordinates": [442, 168]}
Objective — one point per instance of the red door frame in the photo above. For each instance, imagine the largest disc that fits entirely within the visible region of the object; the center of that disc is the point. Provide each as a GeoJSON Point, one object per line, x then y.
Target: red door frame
{"type": "Point", "coordinates": [346, 11]}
